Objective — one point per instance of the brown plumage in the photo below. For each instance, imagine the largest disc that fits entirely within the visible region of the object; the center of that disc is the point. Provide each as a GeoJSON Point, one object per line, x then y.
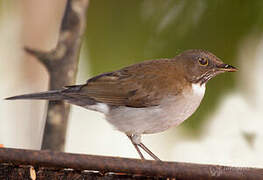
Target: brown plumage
{"type": "Point", "coordinates": [135, 86]}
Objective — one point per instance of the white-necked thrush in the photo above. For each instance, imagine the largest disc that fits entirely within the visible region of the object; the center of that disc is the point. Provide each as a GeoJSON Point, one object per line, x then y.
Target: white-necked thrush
{"type": "Point", "coordinates": [147, 97]}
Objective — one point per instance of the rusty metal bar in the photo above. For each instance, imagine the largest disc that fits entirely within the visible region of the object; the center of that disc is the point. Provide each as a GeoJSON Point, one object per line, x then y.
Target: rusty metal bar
{"type": "Point", "coordinates": [14, 172]}
{"type": "Point", "coordinates": [125, 165]}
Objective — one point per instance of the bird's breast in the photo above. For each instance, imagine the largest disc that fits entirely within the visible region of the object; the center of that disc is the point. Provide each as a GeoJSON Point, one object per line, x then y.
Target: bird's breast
{"type": "Point", "coordinates": [172, 111]}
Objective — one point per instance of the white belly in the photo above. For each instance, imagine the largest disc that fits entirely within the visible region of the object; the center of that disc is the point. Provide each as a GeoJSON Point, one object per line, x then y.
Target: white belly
{"type": "Point", "coordinates": [171, 112]}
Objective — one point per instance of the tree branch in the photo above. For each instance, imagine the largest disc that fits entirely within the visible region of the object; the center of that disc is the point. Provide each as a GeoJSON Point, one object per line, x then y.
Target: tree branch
{"type": "Point", "coordinates": [61, 64]}
{"type": "Point", "coordinates": [102, 166]}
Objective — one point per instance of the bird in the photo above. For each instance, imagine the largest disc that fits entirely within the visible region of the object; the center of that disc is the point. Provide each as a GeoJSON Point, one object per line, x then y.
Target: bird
{"type": "Point", "coordinates": [147, 97]}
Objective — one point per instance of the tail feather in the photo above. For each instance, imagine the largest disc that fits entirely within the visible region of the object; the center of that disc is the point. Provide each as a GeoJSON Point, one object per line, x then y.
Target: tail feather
{"type": "Point", "coordinates": [49, 95]}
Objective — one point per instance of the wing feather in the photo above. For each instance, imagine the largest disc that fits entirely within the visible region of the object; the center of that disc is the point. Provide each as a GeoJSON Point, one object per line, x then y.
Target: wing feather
{"type": "Point", "coordinates": [133, 86]}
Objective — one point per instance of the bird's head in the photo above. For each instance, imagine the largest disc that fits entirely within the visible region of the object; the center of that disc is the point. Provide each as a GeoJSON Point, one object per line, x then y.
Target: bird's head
{"type": "Point", "coordinates": [200, 66]}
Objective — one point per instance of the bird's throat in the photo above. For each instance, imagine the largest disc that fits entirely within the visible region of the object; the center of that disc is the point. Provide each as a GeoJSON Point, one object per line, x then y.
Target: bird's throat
{"type": "Point", "coordinates": [198, 89]}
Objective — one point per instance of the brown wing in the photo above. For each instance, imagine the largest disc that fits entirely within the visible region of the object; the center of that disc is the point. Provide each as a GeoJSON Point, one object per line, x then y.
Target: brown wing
{"type": "Point", "coordinates": [135, 86]}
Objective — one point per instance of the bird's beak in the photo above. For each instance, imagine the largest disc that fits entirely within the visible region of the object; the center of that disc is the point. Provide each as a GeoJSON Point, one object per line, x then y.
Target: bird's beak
{"type": "Point", "coordinates": [226, 68]}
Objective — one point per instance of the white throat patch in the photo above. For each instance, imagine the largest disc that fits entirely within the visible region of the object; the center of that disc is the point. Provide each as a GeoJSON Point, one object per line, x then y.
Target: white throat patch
{"type": "Point", "coordinates": [198, 89]}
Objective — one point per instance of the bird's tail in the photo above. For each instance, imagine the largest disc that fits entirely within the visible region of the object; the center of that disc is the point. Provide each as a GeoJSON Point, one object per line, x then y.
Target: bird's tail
{"type": "Point", "coordinates": [49, 95]}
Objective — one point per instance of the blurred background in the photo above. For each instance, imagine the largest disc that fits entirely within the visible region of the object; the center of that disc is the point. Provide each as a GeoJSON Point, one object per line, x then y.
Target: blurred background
{"type": "Point", "coordinates": [227, 127]}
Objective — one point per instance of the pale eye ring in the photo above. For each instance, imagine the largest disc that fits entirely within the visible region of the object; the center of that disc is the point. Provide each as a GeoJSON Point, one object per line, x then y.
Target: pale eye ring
{"type": "Point", "coordinates": [203, 61]}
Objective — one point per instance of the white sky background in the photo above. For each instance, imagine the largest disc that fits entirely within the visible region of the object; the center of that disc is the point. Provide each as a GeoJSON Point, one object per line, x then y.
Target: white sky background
{"type": "Point", "coordinates": [223, 140]}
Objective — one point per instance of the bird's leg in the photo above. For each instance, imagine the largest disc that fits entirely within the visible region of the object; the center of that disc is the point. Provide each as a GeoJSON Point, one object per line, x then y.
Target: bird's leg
{"type": "Point", "coordinates": [136, 147]}
{"type": "Point", "coordinates": [136, 141]}
{"type": "Point", "coordinates": [149, 152]}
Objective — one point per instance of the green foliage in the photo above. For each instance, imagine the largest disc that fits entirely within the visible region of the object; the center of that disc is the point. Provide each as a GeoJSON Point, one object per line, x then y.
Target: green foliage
{"type": "Point", "coordinates": [120, 33]}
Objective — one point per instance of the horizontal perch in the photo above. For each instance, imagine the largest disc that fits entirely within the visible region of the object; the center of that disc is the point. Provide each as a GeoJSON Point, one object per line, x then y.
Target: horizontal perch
{"type": "Point", "coordinates": [124, 165]}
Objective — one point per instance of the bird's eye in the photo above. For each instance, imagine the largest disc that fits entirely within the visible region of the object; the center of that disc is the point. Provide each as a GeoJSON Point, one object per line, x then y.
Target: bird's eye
{"type": "Point", "coordinates": [203, 61]}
